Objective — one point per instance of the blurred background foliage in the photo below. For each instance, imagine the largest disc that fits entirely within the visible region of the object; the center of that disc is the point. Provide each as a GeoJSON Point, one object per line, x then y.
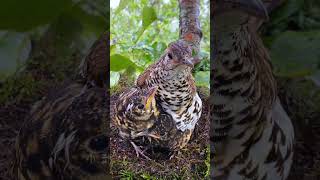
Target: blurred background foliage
{"type": "Point", "coordinates": [293, 37]}
{"type": "Point", "coordinates": [43, 42]}
{"type": "Point", "coordinates": [140, 32]}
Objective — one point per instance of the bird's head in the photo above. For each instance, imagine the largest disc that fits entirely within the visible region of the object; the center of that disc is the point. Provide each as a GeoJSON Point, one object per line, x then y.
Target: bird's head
{"type": "Point", "coordinates": [139, 104]}
{"type": "Point", "coordinates": [178, 57]}
{"type": "Point", "coordinates": [229, 14]}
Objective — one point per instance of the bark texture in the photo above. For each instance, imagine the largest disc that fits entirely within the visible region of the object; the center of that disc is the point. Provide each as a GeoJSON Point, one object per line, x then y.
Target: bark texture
{"type": "Point", "coordinates": [189, 23]}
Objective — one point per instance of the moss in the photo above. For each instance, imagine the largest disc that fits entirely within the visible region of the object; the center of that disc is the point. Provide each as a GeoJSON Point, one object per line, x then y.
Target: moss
{"type": "Point", "coordinates": [19, 87]}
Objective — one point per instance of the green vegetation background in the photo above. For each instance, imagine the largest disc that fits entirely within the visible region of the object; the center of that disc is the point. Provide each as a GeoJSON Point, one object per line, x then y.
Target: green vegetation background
{"type": "Point", "coordinates": [140, 32]}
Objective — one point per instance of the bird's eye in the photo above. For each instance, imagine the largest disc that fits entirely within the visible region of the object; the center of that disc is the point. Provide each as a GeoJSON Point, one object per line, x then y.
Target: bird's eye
{"type": "Point", "coordinates": [170, 55]}
{"type": "Point", "coordinates": [140, 106]}
{"type": "Point", "coordinates": [99, 143]}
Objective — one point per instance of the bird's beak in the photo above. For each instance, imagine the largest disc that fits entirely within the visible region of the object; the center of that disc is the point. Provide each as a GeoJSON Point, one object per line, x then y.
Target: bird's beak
{"type": "Point", "coordinates": [188, 62]}
{"type": "Point", "coordinates": [150, 101]}
{"type": "Point", "coordinates": [196, 60]}
{"type": "Point", "coordinates": [255, 7]}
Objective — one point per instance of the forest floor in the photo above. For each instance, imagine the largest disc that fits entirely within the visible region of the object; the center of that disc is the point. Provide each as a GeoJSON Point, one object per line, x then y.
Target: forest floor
{"type": "Point", "coordinates": [192, 162]}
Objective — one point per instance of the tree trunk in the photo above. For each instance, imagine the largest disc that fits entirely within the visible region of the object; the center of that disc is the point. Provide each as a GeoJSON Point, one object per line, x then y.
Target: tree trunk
{"type": "Point", "coordinates": [189, 23]}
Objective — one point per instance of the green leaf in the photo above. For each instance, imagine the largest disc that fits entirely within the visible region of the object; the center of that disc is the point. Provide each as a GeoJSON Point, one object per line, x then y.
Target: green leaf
{"type": "Point", "coordinates": [202, 78]}
{"type": "Point", "coordinates": [114, 78]}
{"type": "Point", "coordinates": [123, 4]}
{"type": "Point", "coordinates": [112, 49]}
{"type": "Point", "coordinates": [148, 17]}
{"type": "Point", "coordinates": [286, 10]}
{"type": "Point", "coordinates": [119, 62]}
{"type": "Point", "coordinates": [158, 49]}
{"type": "Point", "coordinates": [296, 54]}
{"type": "Point", "coordinates": [24, 15]}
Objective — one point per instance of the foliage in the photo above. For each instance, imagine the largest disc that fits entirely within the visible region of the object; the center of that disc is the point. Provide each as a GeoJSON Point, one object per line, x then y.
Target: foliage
{"type": "Point", "coordinates": [293, 38]}
{"type": "Point", "coordinates": [24, 23]}
{"type": "Point", "coordinates": [42, 43]}
{"type": "Point", "coordinates": [141, 30]}
{"type": "Point", "coordinates": [300, 50]}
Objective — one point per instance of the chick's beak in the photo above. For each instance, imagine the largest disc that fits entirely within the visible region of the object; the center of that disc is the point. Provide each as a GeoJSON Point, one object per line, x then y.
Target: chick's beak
{"type": "Point", "coordinates": [150, 100]}
{"type": "Point", "coordinates": [252, 6]}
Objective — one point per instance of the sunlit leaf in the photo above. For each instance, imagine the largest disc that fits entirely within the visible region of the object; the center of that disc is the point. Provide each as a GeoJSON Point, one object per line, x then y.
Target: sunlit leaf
{"type": "Point", "coordinates": [114, 78]}
{"type": "Point", "coordinates": [123, 4]}
{"type": "Point", "coordinates": [296, 53]}
{"type": "Point", "coordinates": [148, 16]}
{"type": "Point", "coordinates": [112, 49]}
{"type": "Point", "coordinates": [119, 62]}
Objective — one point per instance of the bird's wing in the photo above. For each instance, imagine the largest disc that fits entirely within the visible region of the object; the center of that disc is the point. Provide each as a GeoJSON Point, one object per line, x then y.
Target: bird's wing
{"type": "Point", "coordinates": [146, 75]}
{"type": "Point", "coordinates": [94, 67]}
{"type": "Point", "coordinates": [282, 138]}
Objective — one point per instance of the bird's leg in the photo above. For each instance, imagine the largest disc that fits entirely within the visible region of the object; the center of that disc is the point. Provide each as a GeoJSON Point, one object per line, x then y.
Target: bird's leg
{"type": "Point", "coordinates": [173, 154]}
{"type": "Point", "coordinates": [139, 151]}
{"type": "Point", "coordinates": [154, 136]}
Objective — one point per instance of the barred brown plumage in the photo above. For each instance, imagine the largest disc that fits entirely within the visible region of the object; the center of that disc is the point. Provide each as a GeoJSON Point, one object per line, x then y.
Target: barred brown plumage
{"type": "Point", "coordinates": [135, 113]}
{"type": "Point", "coordinates": [65, 137]}
{"type": "Point", "coordinates": [137, 116]}
{"type": "Point", "coordinates": [252, 136]}
{"type": "Point", "coordinates": [65, 134]}
{"type": "Point", "coordinates": [176, 94]}
{"type": "Point", "coordinates": [94, 68]}
{"type": "Point", "coordinates": [177, 106]}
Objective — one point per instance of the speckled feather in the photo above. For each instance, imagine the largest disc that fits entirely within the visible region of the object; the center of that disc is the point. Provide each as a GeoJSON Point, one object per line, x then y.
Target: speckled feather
{"type": "Point", "coordinates": [176, 93]}
{"type": "Point", "coordinates": [252, 135]}
{"type": "Point", "coordinates": [137, 126]}
{"type": "Point", "coordinates": [94, 68]}
{"type": "Point", "coordinates": [131, 120]}
{"type": "Point", "coordinates": [65, 137]}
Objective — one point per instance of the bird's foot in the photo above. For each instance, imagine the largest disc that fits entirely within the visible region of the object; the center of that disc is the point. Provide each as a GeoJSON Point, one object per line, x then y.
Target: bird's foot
{"type": "Point", "coordinates": [139, 151]}
{"type": "Point", "coordinates": [154, 136]}
{"type": "Point", "coordinates": [174, 154]}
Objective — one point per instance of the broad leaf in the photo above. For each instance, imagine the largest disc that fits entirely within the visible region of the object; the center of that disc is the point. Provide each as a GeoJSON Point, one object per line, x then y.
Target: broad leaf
{"type": "Point", "coordinates": [148, 16]}
{"type": "Point", "coordinates": [119, 62]}
{"type": "Point", "coordinates": [296, 53]}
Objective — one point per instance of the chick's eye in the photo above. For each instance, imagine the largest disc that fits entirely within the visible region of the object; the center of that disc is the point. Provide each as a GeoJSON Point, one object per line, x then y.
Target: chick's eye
{"type": "Point", "coordinates": [140, 106]}
{"type": "Point", "coordinates": [99, 143]}
{"type": "Point", "coordinates": [170, 55]}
